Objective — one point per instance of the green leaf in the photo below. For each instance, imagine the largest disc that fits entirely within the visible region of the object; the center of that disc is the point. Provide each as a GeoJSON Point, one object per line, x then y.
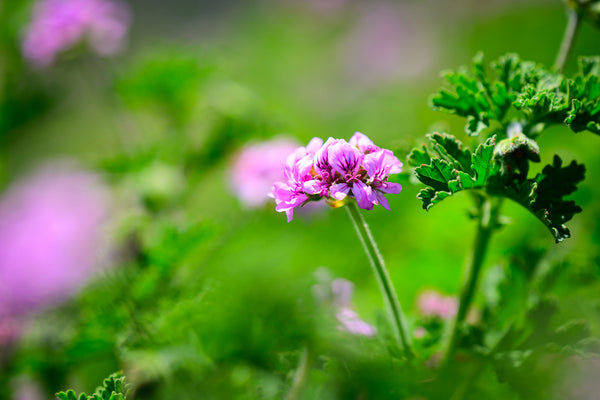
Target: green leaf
{"type": "Point", "coordinates": [453, 169]}
{"type": "Point", "coordinates": [481, 95]}
{"type": "Point", "coordinates": [437, 174]}
{"type": "Point", "coordinates": [113, 388]}
{"type": "Point", "coordinates": [419, 156]}
{"type": "Point", "coordinates": [584, 97]}
{"type": "Point", "coordinates": [452, 150]}
{"type": "Point", "coordinates": [447, 167]}
{"type": "Point", "coordinates": [544, 195]}
{"type": "Point", "coordinates": [68, 395]}
{"type": "Point", "coordinates": [544, 97]}
{"type": "Point", "coordinates": [430, 197]}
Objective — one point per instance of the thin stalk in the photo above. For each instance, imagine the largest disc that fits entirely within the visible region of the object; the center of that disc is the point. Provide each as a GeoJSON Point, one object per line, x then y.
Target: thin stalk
{"type": "Point", "coordinates": [488, 215]}
{"type": "Point", "coordinates": [301, 375]}
{"type": "Point", "coordinates": [573, 19]}
{"type": "Point", "coordinates": [385, 283]}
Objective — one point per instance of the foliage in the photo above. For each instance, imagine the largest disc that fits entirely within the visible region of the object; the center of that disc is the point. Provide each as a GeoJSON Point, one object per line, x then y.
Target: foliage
{"type": "Point", "coordinates": [485, 95]}
{"type": "Point", "coordinates": [113, 388]}
{"type": "Point", "coordinates": [205, 298]}
{"type": "Point", "coordinates": [447, 167]}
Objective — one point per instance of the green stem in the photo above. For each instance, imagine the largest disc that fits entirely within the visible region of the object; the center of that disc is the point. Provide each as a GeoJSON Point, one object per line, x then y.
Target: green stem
{"type": "Point", "coordinates": [385, 283]}
{"type": "Point", "coordinates": [488, 216]}
{"type": "Point", "coordinates": [571, 29]}
{"type": "Point", "coordinates": [301, 375]}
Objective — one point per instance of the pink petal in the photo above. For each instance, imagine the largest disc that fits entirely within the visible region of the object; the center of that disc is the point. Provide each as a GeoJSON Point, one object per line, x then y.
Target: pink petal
{"type": "Point", "coordinates": [382, 200]}
{"type": "Point", "coordinates": [363, 195]}
{"type": "Point", "coordinates": [390, 187]}
{"type": "Point", "coordinates": [339, 191]}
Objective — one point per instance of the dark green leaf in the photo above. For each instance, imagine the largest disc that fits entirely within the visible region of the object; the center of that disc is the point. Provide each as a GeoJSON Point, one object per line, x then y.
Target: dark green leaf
{"type": "Point", "coordinates": [544, 195]}
{"type": "Point", "coordinates": [454, 169]}
{"type": "Point", "coordinates": [544, 97]}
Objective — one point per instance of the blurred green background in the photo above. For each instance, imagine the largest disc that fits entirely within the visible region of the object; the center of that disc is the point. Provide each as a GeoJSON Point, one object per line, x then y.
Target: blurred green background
{"type": "Point", "coordinates": [210, 299]}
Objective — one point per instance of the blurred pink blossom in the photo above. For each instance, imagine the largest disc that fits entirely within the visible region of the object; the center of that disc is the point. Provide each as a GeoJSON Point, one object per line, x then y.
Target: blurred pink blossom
{"type": "Point", "coordinates": [50, 236]}
{"type": "Point", "coordinates": [58, 25]}
{"type": "Point", "coordinates": [434, 304]}
{"type": "Point", "coordinates": [338, 293]}
{"type": "Point", "coordinates": [256, 167]}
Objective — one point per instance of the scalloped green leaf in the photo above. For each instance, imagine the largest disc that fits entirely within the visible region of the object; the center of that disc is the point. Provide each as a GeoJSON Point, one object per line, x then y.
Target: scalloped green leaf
{"type": "Point", "coordinates": [484, 95]}
{"type": "Point", "coordinates": [454, 168]}
{"type": "Point", "coordinates": [113, 388]}
{"type": "Point", "coordinates": [544, 195]}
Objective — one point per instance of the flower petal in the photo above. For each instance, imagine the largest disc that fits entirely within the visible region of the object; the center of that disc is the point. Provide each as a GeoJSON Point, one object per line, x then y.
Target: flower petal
{"type": "Point", "coordinates": [290, 214]}
{"type": "Point", "coordinates": [363, 195]}
{"type": "Point", "coordinates": [345, 158]}
{"type": "Point", "coordinates": [321, 158]}
{"type": "Point", "coordinates": [314, 187]}
{"type": "Point", "coordinates": [364, 144]}
{"type": "Point", "coordinates": [390, 187]}
{"type": "Point", "coordinates": [314, 145]}
{"type": "Point", "coordinates": [382, 200]}
{"type": "Point", "coordinates": [339, 191]}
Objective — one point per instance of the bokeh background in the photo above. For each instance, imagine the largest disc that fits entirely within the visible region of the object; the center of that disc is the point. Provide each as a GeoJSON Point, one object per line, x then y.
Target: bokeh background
{"type": "Point", "coordinates": [127, 244]}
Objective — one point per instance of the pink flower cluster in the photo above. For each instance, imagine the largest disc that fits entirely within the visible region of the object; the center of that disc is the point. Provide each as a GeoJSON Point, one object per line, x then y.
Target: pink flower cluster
{"type": "Point", "coordinates": [335, 170]}
{"type": "Point", "coordinates": [434, 304]}
{"type": "Point", "coordinates": [338, 293]}
{"type": "Point", "coordinates": [58, 25]}
{"type": "Point", "coordinates": [50, 237]}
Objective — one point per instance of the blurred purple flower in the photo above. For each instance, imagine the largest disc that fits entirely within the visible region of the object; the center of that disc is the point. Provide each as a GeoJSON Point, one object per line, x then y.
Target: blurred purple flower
{"type": "Point", "coordinates": [50, 236]}
{"type": "Point", "coordinates": [336, 170]}
{"type": "Point", "coordinates": [434, 304]}
{"type": "Point", "coordinates": [338, 294]}
{"type": "Point", "coordinates": [352, 323]}
{"type": "Point", "coordinates": [257, 167]}
{"type": "Point", "coordinates": [58, 25]}
{"type": "Point", "coordinates": [389, 41]}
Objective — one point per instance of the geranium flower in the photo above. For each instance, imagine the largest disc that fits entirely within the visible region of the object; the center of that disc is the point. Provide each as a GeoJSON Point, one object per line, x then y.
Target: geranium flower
{"type": "Point", "coordinates": [338, 169]}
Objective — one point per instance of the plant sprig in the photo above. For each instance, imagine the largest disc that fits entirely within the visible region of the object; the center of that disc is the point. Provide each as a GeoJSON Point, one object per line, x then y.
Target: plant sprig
{"type": "Point", "coordinates": [448, 167]}
{"type": "Point", "coordinates": [491, 95]}
{"type": "Point", "coordinates": [113, 388]}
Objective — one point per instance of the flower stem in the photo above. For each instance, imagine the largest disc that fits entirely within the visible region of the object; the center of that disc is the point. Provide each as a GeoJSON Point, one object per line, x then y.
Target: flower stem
{"type": "Point", "coordinates": [301, 375]}
{"type": "Point", "coordinates": [385, 283]}
{"type": "Point", "coordinates": [488, 216]}
{"type": "Point", "coordinates": [571, 29]}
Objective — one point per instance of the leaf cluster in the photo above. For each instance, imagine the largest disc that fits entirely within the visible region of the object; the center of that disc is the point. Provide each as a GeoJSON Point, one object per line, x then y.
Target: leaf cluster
{"type": "Point", "coordinates": [489, 95]}
{"type": "Point", "coordinates": [446, 166]}
{"type": "Point", "coordinates": [113, 388]}
{"type": "Point", "coordinates": [526, 324]}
